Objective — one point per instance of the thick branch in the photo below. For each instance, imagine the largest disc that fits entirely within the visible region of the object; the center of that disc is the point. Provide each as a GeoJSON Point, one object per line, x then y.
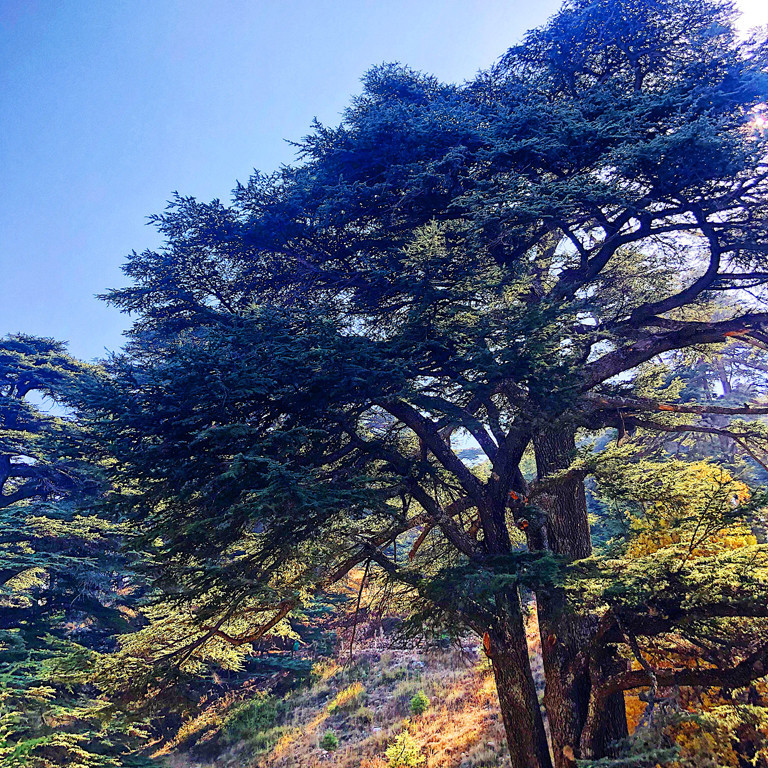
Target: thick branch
{"type": "Point", "coordinates": [643, 404]}
{"type": "Point", "coordinates": [427, 432]}
{"type": "Point", "coordinates": [442, 518]}
{"type": "Point", "coordinates": [283, 610]}
{"type": "Point", "coordinates": [738, 676]}
{"type": "Point", "coordinates": [738, 437]}
{"type": "Point", "coordinates": [630, 356]}
{"type": "Point", "coordinates": [481, 616]}
{"type": "Point", "coordinates": [694, 290]}
{"type": "Point", "coordinates": [27, 491]}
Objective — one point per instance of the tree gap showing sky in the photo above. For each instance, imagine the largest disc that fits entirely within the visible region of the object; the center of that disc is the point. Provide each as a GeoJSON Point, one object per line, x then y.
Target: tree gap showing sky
{"type": "Point", "coordinates": [106, 108]}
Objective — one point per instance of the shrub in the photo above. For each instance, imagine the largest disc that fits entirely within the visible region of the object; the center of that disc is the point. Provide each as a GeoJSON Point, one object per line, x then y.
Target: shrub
{"type": "Point", "coordinates": [263, 741]}
{"type": "Point", "coordinates": [250, 717]}
{"type": "Point", "coordinates": [389, 675]}
{"type": "Point", "coordinates": [364, 715]}
{"type": "Point", "coordinates": [404, 752]}
{"type": "Point", "coordinates": [323, 670]}
{"type": "Point", "coordinates": [347, 698]}
{"type": "Point", "coordinates": [330, 741]}
{"type": "Point", "coordinates": [419, 703]}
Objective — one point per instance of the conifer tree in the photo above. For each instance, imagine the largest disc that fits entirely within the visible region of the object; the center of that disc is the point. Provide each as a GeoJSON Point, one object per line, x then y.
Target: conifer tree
{"type": "Point", "coordinates": [64, 584]}
{"type": "Point", "coordinates": [506, 265]}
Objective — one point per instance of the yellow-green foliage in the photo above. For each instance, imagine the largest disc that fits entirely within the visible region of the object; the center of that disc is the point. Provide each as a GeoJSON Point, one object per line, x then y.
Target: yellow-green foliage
{"type": "Point", "coordinates": [348, 698]}
{"type": "Point", "coordinates": [404, 752]}
{"type": "Point", "coordinates": [689, 507]}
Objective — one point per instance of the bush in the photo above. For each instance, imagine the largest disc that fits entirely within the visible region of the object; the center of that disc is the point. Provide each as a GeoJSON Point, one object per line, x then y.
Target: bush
{"type": "Point", "coordinates": [348, 698]}
{"type": "Point", "coordinates": [323, 670]}
{"type": "Point", "coordinates": [330, 741]}
{"type": "Point", "coordinates": [419, 703]}
{"type": "Point", "coordinates": [404, 752]}
{"type": "Point", "coordinates": [263, 741]}
{"type": "Point", "coordinates": [251, 717]}
{"type": "Point", "coordinates": [364, 715]}
{"type": "Point", "coordinates": [389, 675]}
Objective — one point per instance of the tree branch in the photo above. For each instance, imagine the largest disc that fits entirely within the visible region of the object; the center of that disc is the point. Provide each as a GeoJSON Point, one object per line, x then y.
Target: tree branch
{"type": "Point", "coordinates": [645, 404]}
{"type": "Point", "coordinates": [630, 356]}
{"type": "Point", "coordinates": [738, 676]}
{"type": "Point", "coordinates": [427, 432]}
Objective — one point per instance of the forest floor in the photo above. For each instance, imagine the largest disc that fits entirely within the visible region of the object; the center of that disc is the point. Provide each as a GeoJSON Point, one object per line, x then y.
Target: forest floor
{"type": "Point", "coordinates": [366, 704]}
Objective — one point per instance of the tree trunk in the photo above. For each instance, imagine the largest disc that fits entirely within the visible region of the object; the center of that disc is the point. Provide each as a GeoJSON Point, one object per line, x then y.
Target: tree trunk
{"type": "Point", "coordinates": [566, 504]}
{"type": "Point", "coordinates": [607, 718]}
{"type": "Point", "coordinates": [566, 636]}
{"type": "Point", "coordinates": [507, 648]}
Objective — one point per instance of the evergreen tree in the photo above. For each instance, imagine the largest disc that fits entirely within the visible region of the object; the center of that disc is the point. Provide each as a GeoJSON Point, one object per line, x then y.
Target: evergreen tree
{"type": "Point", "coordinates": [65, 589]}
{"type": "Point", "coordinates": [500, 265]}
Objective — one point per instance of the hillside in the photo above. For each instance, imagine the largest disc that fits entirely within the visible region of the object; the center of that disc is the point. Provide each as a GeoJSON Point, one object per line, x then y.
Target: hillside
{"type": "Point", "coordinates": [366, 703]}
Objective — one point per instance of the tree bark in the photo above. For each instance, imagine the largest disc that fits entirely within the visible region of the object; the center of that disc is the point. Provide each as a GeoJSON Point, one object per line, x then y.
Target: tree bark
{"type": "Point", "coordinates": [566, 637]}
{"type": "Point", "coordinates": [566, 504]}
{"type": "Point", "coordinates": [507, 648]}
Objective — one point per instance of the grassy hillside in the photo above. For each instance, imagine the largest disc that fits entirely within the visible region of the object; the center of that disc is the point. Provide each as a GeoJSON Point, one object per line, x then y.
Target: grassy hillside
{"type": "Point", "coordinates": [364, 712]}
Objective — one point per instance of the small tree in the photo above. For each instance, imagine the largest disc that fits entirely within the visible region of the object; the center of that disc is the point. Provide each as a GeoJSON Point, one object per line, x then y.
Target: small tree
{"type": "Point", "coordinates": [404, 752]}
{"type": "Point", "coordinates": [329, 742]}
{"type": "Point", "coordinates": [419, 703]}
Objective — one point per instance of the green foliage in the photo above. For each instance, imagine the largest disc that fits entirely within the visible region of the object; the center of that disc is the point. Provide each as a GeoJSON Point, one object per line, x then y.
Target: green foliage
{"type": "Point", "coordinates": [493, 267]}
{"type": "Point", "coordinates": [257, 714]}
{"type": "Point", "coordinates": [651, 758]}
{"type": "Point", "coordinates": [263, 741]}
{"type": "Point", "coordinates": [254, 723]}
{"type": "Point", "coordinates": [330, 741]}
{"type": "Point", "coordinates": [66, 588]}
{"type": "Point", "coordinates": [390, 674]}
{"type": "Point", "coordinates": [404, 752]}
{"type": "Point", "coordinates": [433, 303]}
{"type": "Point", "coordinates": [419, 703]}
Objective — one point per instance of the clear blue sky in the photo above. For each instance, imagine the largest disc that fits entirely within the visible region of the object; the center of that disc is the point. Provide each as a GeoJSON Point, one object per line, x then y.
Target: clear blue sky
{"type": "Point", "coordinates": [108, 106]}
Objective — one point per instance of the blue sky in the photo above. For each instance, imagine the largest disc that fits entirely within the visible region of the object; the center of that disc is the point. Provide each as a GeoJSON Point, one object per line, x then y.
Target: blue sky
{"type": "Point", "coordinates": [108, 106]}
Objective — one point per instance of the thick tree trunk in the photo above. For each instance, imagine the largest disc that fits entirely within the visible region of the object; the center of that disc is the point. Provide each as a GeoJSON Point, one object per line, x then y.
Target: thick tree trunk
{"type": "Point", "coordinates": [606, 719]}
{"type": "Point", "coordinates": [566, 504]}
{"type": "Point", "coordinates": [566, 637]}
{"type": "Point", "coordinates": [508, 650]}
{"type": "Point", "coordinates": [507, 647]}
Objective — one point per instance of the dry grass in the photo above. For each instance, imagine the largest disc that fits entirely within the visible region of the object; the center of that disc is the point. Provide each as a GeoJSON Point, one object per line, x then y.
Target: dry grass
{"type": "Point", "coordinates": [461, 725]}
{"type": "Point", "coordinates": [368, 704]}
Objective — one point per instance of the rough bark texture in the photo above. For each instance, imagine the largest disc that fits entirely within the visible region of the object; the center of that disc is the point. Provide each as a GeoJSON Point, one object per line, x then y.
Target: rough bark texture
{"type": "Point", "coordinates": [567, 522]}
{"type": "Point", "coordinates": [566, 636]}
{"type": "Point", "coordinates": [606, 718]}
{"type": "Point", "coordinates": [523, 722]}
